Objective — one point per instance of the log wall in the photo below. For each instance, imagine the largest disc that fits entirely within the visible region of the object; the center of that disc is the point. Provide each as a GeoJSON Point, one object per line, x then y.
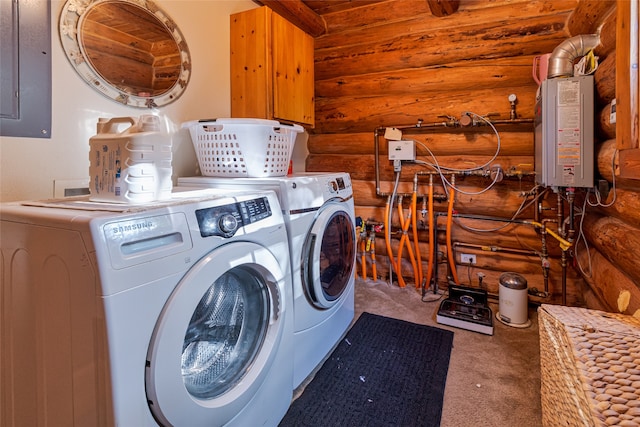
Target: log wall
{"type": "Point", "coordinates": [611, 225]}
{"type": "Point", "coordinates": [394, 64]}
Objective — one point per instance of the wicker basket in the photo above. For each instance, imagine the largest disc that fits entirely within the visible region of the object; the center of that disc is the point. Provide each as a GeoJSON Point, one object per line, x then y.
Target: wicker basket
{"type": "Point", "coordinates": [590, 362]}
{"type": "Point", "coordinates": [248, 148]}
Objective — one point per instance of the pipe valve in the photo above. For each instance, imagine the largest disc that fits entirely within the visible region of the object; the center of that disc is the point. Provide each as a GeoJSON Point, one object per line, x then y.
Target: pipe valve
{"type": "Point", "coordinates": [512, 99]}
{"type": "Point", "coordinates": [466, 120]}
{"type": "Point", "coordinates": [496, 173]}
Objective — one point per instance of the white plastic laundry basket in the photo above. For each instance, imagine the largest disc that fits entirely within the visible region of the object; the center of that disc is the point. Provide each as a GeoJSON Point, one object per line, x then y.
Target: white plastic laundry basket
{"type": "Point", "coordinates": [251, 148]}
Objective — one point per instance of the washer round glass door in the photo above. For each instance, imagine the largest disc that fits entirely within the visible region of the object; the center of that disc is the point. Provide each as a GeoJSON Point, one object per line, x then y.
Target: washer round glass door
{"type": "Point", "coordinates": [216, 337]}
{"type": "Point", "coordinates": [329, 256]}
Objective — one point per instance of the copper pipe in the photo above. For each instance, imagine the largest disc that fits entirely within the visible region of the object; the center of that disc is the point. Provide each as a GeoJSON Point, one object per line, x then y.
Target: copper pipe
{"type": "Point", "coordinates": [524, 252]}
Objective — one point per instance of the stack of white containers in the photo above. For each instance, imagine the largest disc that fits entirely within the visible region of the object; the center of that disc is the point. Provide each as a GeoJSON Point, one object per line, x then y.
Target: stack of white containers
{"type": "Point", "coordinates": [132, 165]}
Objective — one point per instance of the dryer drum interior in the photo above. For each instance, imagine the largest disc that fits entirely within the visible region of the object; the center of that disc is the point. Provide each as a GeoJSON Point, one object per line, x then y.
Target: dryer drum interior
{"type": "Point", "coordinates": [225, 333]}
{"type": "Point", "coordinates": [329, 267]}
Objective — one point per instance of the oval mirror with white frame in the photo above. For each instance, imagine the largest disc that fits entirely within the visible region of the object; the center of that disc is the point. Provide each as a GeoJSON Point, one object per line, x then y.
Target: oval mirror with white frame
{"type": "Point", "coordinates": [128, 50]}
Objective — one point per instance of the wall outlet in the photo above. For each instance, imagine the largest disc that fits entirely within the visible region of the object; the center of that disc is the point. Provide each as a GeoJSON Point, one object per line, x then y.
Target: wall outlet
{"type": "Point", "coordinates": [70, 187]}
{"type": "Point", "coordinates": [467, 259]}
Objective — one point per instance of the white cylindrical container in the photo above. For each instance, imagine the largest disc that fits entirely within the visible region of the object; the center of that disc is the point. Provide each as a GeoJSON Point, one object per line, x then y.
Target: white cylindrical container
{"type": "Point", "coordinates": [131, 165]}
{"type": "Point", "coordinates": [513, 300]}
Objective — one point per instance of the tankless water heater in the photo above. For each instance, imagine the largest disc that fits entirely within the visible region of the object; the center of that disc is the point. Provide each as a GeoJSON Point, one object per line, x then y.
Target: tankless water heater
{"type": "Point", "coordinates": [564, 148]}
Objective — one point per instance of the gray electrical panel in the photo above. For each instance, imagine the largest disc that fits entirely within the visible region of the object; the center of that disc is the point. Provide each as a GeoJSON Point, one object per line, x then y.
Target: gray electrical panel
{"type": "Point", "coordinates": [564, 147]}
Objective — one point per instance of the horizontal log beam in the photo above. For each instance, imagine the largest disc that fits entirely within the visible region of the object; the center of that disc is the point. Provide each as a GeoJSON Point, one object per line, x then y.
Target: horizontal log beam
{"type": "Point", "coordinates": [625, 207]}
{"type": "Point", "coordinates": [363, 166]}
{"type": "Point", "coordinates": [299, 14]}
{"type": "Point", "coordinates": [365, 113]}
{"type": "Point", "coordinates": [446, 144]}
{"type": "Point", "coordinates": [465, 75]}
{"type": "Point", "coordinates": [607, 159]}
{"type": "Point", "coordinates": [604, 128]}
{"type": "Point", "coordinates": [443, 7]}
{"type": "Point", "coordinates": [357, 15]}
{"type": "Point", "coordinates": [618, 241]}
{"type": "Point", "coordinates": [607, 36]}
{"type": "Point", "coordinates": [588, 16]}
{"type": "Point", "coordinates": [608, 156]}
{"type": "Point", "coordinates": [429, 47]}
{"type": "Point", "coordinates": [612, 286]}
{"type": "Point", "coordinates": [605, 80]}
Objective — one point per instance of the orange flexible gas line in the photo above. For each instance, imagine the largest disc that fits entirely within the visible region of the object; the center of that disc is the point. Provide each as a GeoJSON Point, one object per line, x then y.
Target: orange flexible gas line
{"type": "Point", "coordinates": [452, 261]}
{"type": "Point", "coordinates": [412, 256]}
{"type": "Point", "coordinates": [414, 224]}
{"type": "Point", "coordinates": [374, 271]}
{"type": "Point", "coordinates": [431, 232]}
{"type": "Point", "coordinates": [401, 282]}
{"type": "Point", "coordinates": [363, 255]}
{"type": "Point", "coordinates": [405, 240]}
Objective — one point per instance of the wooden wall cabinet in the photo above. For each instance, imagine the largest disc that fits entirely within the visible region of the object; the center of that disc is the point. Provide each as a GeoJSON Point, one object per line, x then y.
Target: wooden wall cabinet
{"type": "Point", "coordinates": [628, 88]}
{"type": "Point", "coordinates": [271, 68]}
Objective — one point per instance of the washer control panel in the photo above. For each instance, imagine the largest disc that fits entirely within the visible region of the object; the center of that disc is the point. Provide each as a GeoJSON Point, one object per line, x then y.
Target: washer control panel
{"type": "Point", "coordinates": [335, 185]}
{"type": "Point", "coordinates": [224, 221]}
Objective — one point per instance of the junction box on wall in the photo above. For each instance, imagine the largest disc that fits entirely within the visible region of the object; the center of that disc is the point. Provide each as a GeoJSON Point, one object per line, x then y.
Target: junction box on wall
{"type": "Point", "coordinates": [563, 137]}
{"type": "Point", "coordinates": [402, 150]}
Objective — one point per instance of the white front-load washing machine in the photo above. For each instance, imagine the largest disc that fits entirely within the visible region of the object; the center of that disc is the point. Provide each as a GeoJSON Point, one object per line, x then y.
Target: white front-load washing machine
{"type": "Point", "coordinates": [174, 314]}
{"type": "Point", "coordinates": [319, 212]}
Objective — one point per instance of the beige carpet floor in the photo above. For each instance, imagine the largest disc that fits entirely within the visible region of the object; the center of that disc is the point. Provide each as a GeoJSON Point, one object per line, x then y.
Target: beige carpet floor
{"type": "Point", "coordinates": [492, 380]}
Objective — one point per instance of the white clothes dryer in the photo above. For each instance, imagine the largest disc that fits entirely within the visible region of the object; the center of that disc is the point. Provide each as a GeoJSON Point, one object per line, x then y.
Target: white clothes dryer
{"type": "Point", "coordinates": [319, 212]}
{"type": "Point", "coordinates": [174, 314]}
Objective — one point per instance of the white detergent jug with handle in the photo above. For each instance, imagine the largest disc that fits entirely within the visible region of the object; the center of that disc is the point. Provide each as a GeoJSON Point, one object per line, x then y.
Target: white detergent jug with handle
{"type": "Point", "coordinates": [130, 165]}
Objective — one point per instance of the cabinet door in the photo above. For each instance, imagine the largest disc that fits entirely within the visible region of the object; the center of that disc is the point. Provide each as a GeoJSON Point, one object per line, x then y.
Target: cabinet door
{"type": "Point", "coordinates": [251, 93]}
{"type": "Point", "coordinates": [293, 77]}
{"type": "Point", "coordinates": [271, 68]}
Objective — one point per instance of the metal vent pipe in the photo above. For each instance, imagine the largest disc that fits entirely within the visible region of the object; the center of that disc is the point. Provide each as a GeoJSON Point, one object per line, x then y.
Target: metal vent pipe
{"type": "Point", "coordinates": [563, 56]}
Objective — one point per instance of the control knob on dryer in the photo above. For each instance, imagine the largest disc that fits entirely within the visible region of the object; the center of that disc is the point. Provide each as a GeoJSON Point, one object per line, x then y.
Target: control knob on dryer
{"type": "Point", "coordinates": [333, 186]}
{"type": "Point", "coordinates": [228, 224]}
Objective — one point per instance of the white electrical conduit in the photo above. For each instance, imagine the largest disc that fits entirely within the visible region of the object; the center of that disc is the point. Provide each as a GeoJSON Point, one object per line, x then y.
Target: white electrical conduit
{"type": "Point", "coordinates": [581, 236]}
{"type": "Point", "coordinates": [524, 205]}
{"type": "Point", "coordinates": [596, 192]}
{"type": "Point", "coordinates": [387, 234]}
{"type": "Point", "coordinates": [440, 169]}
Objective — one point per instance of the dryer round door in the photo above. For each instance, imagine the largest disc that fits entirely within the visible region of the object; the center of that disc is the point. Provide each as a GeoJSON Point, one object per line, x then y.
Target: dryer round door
{"type": "Point", "coordinates": [329, 256]}
{"type": "Point", "coordinates": [216, 338]}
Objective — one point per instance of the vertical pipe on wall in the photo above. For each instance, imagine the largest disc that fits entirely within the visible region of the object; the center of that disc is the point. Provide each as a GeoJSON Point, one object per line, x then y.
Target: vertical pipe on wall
{"type": "Point", "coordinates": [387, 238]}
{"type": "Point", "coordinates": [450, 256]}
{"type": "Point", "coordinates": [560, 213]}
{"type": "Point", "coordinates": [432, 237]}
{"type": "Point", "coordinates": [416, 243]}
{"type": "Point", "coordinates": [571, 195]}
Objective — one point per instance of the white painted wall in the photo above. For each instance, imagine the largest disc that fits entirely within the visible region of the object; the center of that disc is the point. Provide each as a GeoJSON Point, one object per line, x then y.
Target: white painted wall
{"type": "Point", "coordinates": [29, 166]}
